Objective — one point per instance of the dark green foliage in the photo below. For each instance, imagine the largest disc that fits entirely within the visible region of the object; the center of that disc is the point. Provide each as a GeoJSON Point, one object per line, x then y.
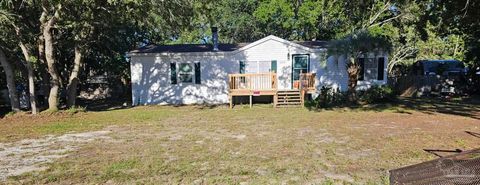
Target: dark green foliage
{"type": "Point", "coordinates": [378, 94]}
{"type": "Point", "coordinates": [328, 98]}
{"type": "Point", "coordinates": [331, 98]}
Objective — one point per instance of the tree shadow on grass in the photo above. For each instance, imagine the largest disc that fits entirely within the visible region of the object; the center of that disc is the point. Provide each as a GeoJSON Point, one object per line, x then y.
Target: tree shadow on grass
{"type": "Point", "coordinates": [465, 107]}
{"type": "Point", "coordinates": [378, 107]}
{"type": "Point", "coordinates": [198, 106]}
{"type": "Point", "coordinates": [443, 152]}
{"type": "Point", "coordinates": [474, 134]}
{"type": "Point", "coordinates": [468, 107]}
{"type": "Point", "coordinates": [104, 104]}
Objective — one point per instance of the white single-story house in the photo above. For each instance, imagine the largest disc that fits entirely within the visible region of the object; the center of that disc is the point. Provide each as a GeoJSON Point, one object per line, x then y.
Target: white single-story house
{"type": "Point", "coordinates": [215, 73]}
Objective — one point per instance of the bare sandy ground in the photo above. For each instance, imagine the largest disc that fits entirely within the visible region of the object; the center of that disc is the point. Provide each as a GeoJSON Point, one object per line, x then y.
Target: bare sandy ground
{"type": "Point", "coordinates": [33, 154]}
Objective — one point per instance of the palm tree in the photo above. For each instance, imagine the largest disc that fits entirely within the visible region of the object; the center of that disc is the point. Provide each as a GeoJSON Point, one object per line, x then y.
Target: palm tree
{"type": "Point", "coordinates": [354, 46]}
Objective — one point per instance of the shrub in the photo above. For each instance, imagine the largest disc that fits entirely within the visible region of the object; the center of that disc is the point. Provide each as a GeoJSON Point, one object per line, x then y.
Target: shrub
{"type": "Point", "coordinates": [328, 98]}
{"type": "Point", "coordinates": [378, 94]}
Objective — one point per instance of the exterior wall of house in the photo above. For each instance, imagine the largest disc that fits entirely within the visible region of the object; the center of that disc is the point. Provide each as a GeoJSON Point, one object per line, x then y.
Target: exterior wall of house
{"type": "Point", "coordinates": [332, 72]}
{"type": "Point", "coordinates": [275, 50]}
{"type": "Point", "coordinates": [151, 82]}
{"type": "Point", "coordinates": [365, 84]}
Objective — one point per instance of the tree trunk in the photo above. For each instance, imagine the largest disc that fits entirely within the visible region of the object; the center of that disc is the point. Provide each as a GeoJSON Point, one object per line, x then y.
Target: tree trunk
{"type": "Point", "coordinates": [31, 77]}
{"type": "Point", "coordinates": [73, 80]}
{"type": "Point", "coordinates": [12, 91]}
{"type": "Point", "coordinates": [43, 69]}
{"type": "Point", "coordinates": [53, 99]}
{"type": "Point", "coordinates": [352, 69]}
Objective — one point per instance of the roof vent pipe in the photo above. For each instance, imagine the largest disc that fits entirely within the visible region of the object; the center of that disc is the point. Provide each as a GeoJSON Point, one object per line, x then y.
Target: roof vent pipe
{"type": "Point", "coordinates": [215, 38]}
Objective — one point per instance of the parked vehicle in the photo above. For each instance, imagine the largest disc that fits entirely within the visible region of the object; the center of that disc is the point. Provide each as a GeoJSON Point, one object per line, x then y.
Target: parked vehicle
{"type": "Point", "coordinates": [450, 73]}
{"type": "Point", "coordinates": [439, 67]}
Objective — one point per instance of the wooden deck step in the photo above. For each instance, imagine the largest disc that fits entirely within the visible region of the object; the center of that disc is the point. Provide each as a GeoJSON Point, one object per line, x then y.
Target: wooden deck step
{"type": "Point", "coordinates": [288, 93]}
{"type": "Point", "coordinates": [289, 98]}
{"type": "Point", "coordinates": [289, 102]}
{"type": "Point", "coordinates": [289, 106]}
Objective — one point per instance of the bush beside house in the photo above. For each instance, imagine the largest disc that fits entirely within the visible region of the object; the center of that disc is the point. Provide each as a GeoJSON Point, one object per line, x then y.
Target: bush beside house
{"type": "Point", "coordinates": [330, 98]}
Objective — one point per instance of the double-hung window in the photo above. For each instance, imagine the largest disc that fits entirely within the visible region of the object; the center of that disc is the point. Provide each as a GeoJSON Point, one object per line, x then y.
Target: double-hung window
{"type": "Point", "coordinates": [371, 68]}
{"type": "Point", "coordinates": [185, 73]}
{"type": "Point", "coordinates": [253, 67]}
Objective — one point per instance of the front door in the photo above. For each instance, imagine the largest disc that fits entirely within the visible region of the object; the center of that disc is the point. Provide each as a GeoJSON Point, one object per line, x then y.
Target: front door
{"type": "Point", "coordinates": [300, 64]}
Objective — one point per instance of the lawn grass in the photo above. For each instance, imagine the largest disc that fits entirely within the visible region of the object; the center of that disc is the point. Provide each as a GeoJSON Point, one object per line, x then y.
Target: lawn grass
{"type": "Point", "coordinates": [17, 127]}
{"type": "Point", "coordinates": [262, 145]}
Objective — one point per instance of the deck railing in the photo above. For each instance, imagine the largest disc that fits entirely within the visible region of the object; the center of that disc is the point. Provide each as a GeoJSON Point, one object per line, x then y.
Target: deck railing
{"type": "Point", "coordinates": [254, 82]}
{"type": "Point", "coordinates": [306, 82]}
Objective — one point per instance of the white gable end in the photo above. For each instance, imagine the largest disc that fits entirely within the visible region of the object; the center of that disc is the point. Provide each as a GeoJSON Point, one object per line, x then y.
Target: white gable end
{"type": "Point", "coordinates": [266, 40]}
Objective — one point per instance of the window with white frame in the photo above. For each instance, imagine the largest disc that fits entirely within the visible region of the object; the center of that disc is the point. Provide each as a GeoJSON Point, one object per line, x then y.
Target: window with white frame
{"type": "Point", "coordinates": [258, 66]}
{"type": "Point", "coordinates": [185, 72]}
{"type": "Point", "coordinates": [371, 69]}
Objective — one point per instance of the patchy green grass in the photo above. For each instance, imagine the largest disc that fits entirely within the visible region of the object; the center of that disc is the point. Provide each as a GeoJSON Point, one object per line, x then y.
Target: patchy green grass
{"type": "Point", "coordinates": [262, 145]}
{"type": "Point", "coordinates": [27, 126]}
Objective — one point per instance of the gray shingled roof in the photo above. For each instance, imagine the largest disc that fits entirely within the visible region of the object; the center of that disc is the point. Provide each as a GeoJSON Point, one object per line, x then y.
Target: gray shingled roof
{"type": "Point", "coordinates": [184, 48]}
{"type": "Point", "coordinates": [313, 44]}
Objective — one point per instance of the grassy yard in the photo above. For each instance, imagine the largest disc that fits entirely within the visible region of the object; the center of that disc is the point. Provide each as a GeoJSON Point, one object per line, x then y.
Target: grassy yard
{"type": "Point", "coordinates": [262, 145]}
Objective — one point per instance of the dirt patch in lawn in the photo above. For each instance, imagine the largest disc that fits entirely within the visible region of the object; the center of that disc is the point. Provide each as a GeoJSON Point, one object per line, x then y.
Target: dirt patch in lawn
{"type": "Point", "coordinates": [30, 155]}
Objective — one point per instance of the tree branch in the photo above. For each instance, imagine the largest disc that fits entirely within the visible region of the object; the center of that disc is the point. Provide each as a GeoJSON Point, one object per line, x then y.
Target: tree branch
{"type": "Point", "coordinates": [387, 20]}
{"type": "Point", "coordinates": [371, 20]}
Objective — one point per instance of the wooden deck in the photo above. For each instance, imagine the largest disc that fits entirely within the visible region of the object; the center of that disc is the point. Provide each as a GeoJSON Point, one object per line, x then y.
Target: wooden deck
{"type": "Point", "coordinates": [265, 84]}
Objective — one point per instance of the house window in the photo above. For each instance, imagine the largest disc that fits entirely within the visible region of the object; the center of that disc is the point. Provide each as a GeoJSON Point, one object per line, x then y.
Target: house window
{"type": "Point", "coordinates": [252, 67]}
{"type": "Point", "coordinates": [185, 73]}
{"type": "Point", "coordinates": [371, 68]}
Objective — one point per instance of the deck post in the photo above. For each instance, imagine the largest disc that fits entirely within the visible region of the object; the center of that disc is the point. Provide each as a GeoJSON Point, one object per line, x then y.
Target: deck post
{"type": "Point", "coordinates": [275, 99]}
{"type": "Point", "coordinates": [302, 98]}
{"type": "Point", "coordinates": [231, 101]}
{"type": "Point", "coordinates": [250, 101]}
